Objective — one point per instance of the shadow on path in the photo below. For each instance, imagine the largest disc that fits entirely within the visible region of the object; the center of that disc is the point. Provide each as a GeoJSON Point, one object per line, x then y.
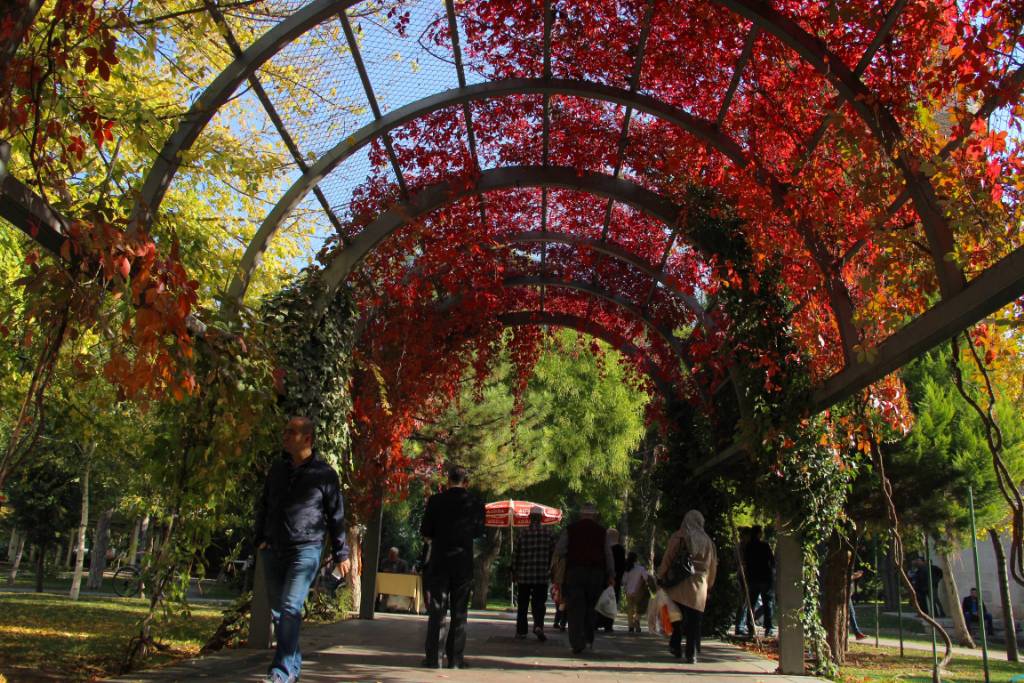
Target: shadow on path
{"type": "Point", "coordinates": [389, 649]}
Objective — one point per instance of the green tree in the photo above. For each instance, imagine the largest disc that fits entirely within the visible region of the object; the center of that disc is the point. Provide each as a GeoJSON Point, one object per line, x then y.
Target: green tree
{"type": "Point", "coordinates": [934, 465]}
{"type": "Point", "coordinates": [44, 498]}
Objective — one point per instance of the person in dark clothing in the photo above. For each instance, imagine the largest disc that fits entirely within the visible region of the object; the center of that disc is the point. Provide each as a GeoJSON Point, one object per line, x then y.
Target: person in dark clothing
{"type": "Point", "coordinates": [970, 607]}
{"type": "Point", "coordinates": [589, 568]}
{"type": "Point", "coordinates": [759, 567]}
{"type": "Point", "coordinates": [619, 558]}
{"type": "Point", "coordinates": [451, 521]}
{"type": "Point", "coordinates": [301, 503]}
{"type": "Point", "coordinates": [919, 580]}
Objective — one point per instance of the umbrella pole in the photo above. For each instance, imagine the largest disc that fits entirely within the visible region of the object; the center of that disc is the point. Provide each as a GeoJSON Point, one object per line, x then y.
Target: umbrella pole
{"type": "Point", "coordinates": [511, 552]}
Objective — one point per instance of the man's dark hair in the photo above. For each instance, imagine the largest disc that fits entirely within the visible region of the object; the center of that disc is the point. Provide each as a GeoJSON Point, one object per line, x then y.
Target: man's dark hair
{"type": "Point", "coordinates": [457, 474]}
{"type": "Point", "coordinates": [304, 424]}
{"type": "Point", "coordinates": [755, 531]}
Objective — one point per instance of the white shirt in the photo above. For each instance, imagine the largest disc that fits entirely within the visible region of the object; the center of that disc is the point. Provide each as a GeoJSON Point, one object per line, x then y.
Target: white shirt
{"type": "Point", "coordinates": [634, 579]}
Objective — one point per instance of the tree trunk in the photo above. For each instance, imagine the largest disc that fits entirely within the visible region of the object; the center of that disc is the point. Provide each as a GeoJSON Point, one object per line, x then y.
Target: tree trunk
{"type": "Point", "coordinates": [83, 527]}
{"type": "Point", "coordinates": [355, 554]}
{"type": "Point", "coordinates": [40, 568]}
{"type": "Point", "coordinates": [133, 542]}
{"type": "Point", "coordinates": [835, 596]}
{"type": "Point", "coordinates": [72, 535]}
{"type": "Point", "coordinates": [1004, 596]}
{"type": "Point", "coordinates": [960, 632]}
{"type": "Point", "coordinates": [16, 562]}
{"type": "Point", "coordinates": [12, 545]}
{"type": "Point", "coordinates": [98, 556]}
{"type": "Point", "coordinates": [890, 581]}
{"type": "Point", "coordinates": [484, 562]}
{"type": "Point", "coordinates": [143, 537]}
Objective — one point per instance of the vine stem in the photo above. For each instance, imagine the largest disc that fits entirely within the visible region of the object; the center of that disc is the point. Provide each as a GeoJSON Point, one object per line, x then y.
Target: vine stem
{"type": "Point", "coordinates": [894, 526]}
{"type": "Point", "coordinates": [994, 441]}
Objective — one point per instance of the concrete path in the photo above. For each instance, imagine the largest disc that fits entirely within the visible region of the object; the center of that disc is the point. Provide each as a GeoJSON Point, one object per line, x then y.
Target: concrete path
{"type": "Point", "coordinates": [390, 648]}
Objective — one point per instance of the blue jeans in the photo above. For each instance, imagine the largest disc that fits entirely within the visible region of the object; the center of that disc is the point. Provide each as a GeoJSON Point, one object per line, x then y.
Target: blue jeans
{"type": "Point", "coordinates": [853, 619]}
{"type": "Point", "coordinates": [289, 572]}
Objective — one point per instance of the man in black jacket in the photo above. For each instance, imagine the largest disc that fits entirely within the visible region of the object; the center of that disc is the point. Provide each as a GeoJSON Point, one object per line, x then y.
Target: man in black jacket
{"type": "Point", "coordinates": [451, 521]}
{"type": "Point", "coordinates": [301, 503]}
{"type": "Point", "coordinates": [759, 567]}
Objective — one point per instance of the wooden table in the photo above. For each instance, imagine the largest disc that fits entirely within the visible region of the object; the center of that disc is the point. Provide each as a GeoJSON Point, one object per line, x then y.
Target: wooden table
{"type": "Point", "coordinates": [408, 585]}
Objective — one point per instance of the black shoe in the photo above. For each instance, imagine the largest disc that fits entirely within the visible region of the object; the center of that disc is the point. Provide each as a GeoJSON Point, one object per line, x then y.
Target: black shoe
{"type": "Point", "coordinates": [677, 651]}
{"type": "Point", "coordinates": [691, 660]}
{"type": "Point", "coordinates": [539, 632]}
{"type": "Point", "coordinates": [429, 663]}
{"type": "Point", "coordinates": [457, 663]}
{"type": "Point", "coordinates": [577, 650]}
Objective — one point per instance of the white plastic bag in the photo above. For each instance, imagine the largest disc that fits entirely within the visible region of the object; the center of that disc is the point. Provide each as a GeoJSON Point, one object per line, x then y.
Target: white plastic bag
{"type": "Point", "coordinates": [674, 613]}
{"type": "Point", "coordinates": [653, 618]}
{"type": "Point", "coordinates": [606, 605]}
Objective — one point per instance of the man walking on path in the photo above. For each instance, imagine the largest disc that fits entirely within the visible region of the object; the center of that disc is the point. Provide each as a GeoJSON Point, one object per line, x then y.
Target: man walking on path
{"type": "Point", "coordinates": [451, 521]}
{"type": "Point", "coordinates": [759, 565]}
{"type": "Point", "coordinates": [530, 570]}
{"type": "Point", "coordinates": [589, 568]}
{"type": "Point", "coordinates": [301, 503]}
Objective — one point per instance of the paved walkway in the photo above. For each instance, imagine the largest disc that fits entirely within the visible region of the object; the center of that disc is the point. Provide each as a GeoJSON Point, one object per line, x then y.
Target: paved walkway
{"type": "Point", "coordinates": [389, 650]}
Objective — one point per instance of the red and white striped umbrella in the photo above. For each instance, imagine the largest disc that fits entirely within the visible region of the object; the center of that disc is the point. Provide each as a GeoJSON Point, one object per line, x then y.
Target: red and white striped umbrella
{"type": "Point", "coordinates": [516, 513]}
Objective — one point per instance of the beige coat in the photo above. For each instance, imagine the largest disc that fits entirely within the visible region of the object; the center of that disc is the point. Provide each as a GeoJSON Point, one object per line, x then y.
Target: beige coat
{"type": "Point", "coordinates": [692, 591]}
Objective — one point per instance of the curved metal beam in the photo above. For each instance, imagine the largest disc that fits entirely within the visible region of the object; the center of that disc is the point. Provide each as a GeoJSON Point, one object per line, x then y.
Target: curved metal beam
{"type": "Point", "coordinates": [665, 333]}
{"type": "Point", "coordinates": [437, 196]}
{"type": "Point", "coordinates": [702, 129]}
{"type": "Point", "coordinates": [678, 346]}
{"type": "Point", "coordinates": [589, 327]}
{"type": "Point", "coordinates": [618, 253]}
{"type": "Point", "coordinates": [216, 95]}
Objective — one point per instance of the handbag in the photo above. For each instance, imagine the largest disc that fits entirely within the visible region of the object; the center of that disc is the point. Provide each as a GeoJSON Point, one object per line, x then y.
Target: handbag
{"type": "Point", "coordinates": [680, 569]}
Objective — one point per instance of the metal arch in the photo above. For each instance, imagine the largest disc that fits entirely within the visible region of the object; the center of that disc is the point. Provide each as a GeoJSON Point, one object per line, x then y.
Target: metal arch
{"type": "Point", "coordinates": [618, 253]}
{"type": "Point", "coordinates": [676, 344]}
{"type": "Point", "coordinates": [879, 120]}
{"type": "Point", "coordinates": [703, 130]}
{"type": "Point", "coordinates": [441, 194]}
{"type": "Point", "coordinates": [216, 94]}
{"type": "Point", "coordinates": [588, 327]}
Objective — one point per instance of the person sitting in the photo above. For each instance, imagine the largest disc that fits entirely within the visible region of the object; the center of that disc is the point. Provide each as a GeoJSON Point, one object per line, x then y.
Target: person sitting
{"type": "Point", "coordinates": [970, 607]}
{"type": "Point", "coordinates": [393, 563]}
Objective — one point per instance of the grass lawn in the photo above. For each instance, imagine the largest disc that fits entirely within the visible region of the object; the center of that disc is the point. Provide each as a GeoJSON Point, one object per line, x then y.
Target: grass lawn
{"type": "Point", "coordinates": [499, 604]}
{"type": "Point", "coordinates": [62, 583]}
{"type": "Point", "coordinates": [49, 637]}
{"type": "Point", "coordinates": [870, 664]}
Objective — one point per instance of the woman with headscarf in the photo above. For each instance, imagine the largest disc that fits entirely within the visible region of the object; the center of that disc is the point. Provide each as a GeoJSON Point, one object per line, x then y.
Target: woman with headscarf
{"type": "Point", "coordinates": [691, 593]}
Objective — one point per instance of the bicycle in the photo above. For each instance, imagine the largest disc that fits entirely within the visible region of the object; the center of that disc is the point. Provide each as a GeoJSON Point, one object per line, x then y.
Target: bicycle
{"type": "Point", "coordinates": [127, 581]}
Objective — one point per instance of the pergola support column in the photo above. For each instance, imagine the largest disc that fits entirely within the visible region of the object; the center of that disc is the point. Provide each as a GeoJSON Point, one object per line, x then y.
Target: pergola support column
{"type": "Point", "coordinates": [789, 593]}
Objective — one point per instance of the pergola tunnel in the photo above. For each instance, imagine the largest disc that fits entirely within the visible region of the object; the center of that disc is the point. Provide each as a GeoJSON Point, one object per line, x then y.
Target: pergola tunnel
{"type": "Point", "coordinates": [769, 234]}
